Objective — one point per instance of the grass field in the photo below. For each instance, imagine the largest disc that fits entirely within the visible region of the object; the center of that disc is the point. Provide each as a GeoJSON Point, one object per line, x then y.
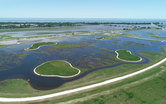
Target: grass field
{"type": "Point", "coordinates": [127, 55]}
{"type": "Point", "coordinates": [60, 68]}
{"type": "Point", "coordinates": [12, 87]}
{"type": "Point", "coordinates": [37, 45]}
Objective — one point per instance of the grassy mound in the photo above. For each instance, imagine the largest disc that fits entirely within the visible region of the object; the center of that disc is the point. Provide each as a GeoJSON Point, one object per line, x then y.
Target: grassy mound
{"type": "Point", "coordinates": [59, 68]}
{"type": "Point", "coordinates": [127, 55]}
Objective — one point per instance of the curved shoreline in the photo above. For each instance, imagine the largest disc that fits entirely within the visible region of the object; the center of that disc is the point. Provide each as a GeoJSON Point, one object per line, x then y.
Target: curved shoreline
{"type": "Point", "coordinates": [42, 97]}
{"type": "Point", "coordinates": [117, 56]}
{"type": "Point", "coordinates": [27, 49]}
{"type": "Point", "coordinates": [57, 75]}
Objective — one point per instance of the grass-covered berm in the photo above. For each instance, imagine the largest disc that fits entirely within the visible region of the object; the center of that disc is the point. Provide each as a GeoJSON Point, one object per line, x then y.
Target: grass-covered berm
{"type": "Point", "coordinates": [38, 45]}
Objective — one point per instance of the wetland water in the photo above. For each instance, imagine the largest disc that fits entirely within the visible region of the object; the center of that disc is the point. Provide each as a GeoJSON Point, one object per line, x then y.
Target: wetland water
{"type": "Point", "coordinates": [149, 34]}
{"type": "Point", "coordinates": [94, 55]}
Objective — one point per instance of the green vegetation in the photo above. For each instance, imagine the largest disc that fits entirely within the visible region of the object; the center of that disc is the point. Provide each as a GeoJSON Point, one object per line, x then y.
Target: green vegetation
{"type": "Point", "coordinates": [148, 88]}
{"type": "Point", "coordinates": [158, 37]}
{"type": "Point", "coordinates": [21, 55]}
{"type": "Point", "coordinates": [69, 45]}
{"type": "Point", "coordinates": [145, 88]}
{"type": "Point", "coordinates": [105, 38]}
{"type": "Point", "coordinates": [91, 78]}
{"type": "Point", "coordinates": [13, 25]}
{"type": "Point", "coordinates": [110, 35]}
{"type": "Point", "coordinates": [37, 45]}
{"type": "Point", "coordinates": [39, 29]}
{"type": "Point", "coordinates": [151, 34]}
{"type": "Point", "coordinates": [134, 44]}
{"type": "Point", "coordinates": [158, 27]}
{"type": "Point", "coordinates": [136, 28]}
{"type": "Point", "coordinates": [15, 87]}
{"type": "Point", "coordinates": [2, 46]}
{"type": "Point", "coordinates": [60, 68]}
{"type": "Point", "coordinates": [127, 55]}
{"type": "Point", "coordinates": [7, 37]}
{"type": "Point", "coordinates": [42, 33]}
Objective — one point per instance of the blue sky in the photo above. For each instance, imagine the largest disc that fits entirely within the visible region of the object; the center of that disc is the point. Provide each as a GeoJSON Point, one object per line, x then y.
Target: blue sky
{"type": "Point", "coordinates": [153, 9]}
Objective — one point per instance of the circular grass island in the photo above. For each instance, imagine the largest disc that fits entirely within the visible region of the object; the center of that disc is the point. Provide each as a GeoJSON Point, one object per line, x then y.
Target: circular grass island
{"type": "Point", "coordinates": [56, 68]}
{"type": "Point", "coordinates": [127, 56]}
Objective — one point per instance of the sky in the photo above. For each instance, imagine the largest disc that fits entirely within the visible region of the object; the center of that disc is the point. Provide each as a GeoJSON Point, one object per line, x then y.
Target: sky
{"type": "Point", "coordinates": [146, 9]}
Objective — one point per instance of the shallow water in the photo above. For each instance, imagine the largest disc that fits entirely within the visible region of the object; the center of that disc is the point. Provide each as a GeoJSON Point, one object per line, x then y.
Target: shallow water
{"type": "Point", "coordinates": [60, 31]}
{"type": "Point", "coordinates": [94, 55]}
{"type": "Point", "coordinates": [144, 34]}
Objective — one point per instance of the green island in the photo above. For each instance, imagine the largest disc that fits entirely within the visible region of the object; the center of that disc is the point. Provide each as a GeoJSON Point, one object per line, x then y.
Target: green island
{"type": "Point", "coordinates": [126, 55]}
{"type": "Point", "coordinates": [57, 68]}
{"type": "Point", "coordinates": [37, 45]}
{"type": "Point", "coordinates": [105, 38]}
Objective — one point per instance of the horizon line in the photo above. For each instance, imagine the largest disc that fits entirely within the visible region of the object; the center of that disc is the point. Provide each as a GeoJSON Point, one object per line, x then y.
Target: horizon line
{"type": "Point", "coordinates": [71, 18]}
